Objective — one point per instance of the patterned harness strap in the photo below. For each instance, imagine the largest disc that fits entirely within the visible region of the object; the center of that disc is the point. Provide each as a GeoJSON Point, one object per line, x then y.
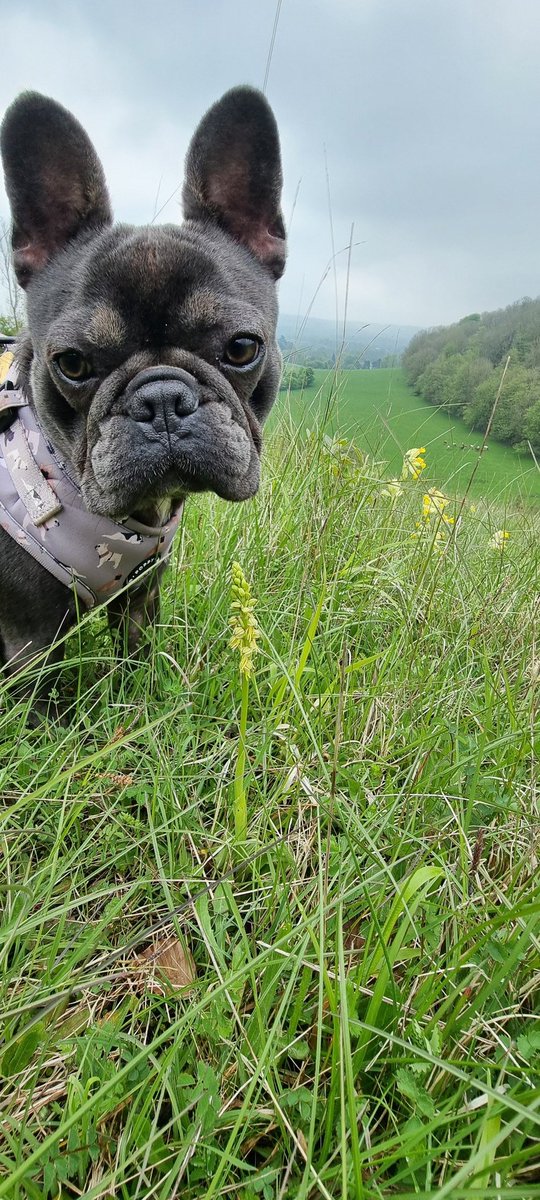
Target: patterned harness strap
{"type": "Point", "coordinates": [40, 502]}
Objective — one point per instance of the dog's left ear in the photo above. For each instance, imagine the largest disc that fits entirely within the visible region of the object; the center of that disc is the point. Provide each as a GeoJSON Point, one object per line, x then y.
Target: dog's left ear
{"type": "Point", "coordinates": [233, 175]}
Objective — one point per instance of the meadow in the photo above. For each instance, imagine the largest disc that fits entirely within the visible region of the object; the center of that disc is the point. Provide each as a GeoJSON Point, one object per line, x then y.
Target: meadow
{"type": "Point", "coordinates": [276, 932]}
{"type": "Point", "coordinates": [381, 413]}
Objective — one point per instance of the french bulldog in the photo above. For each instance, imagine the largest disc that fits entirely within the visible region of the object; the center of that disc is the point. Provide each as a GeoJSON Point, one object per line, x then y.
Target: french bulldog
{"type": "Point", "coordinates": [146, 371]}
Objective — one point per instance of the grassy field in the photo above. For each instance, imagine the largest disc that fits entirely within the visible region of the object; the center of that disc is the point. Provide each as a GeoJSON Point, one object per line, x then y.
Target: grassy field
{"type": "Point", "coordinates": [279, 936]}
{"type": "Point", "coordinates": [384, 416]}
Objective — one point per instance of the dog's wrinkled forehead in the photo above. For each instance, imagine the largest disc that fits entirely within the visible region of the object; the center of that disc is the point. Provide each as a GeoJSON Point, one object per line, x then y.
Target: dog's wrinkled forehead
{"type": "Point", "coordinates": [154, 285]}
{"type": "Point", "coordinates": [108, 325]}
{"type": "Point", "coordinates": [154, 278]}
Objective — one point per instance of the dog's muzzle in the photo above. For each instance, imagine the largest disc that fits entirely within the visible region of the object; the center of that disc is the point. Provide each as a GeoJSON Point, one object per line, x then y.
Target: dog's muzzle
{"type": "Point", "coordinates": [160, 397]}
{"type": "Point", "coordinates": [172, 430]}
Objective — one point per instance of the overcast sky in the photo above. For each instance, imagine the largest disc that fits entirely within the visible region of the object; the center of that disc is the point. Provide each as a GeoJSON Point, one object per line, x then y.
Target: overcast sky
{"type": "Point", "coordinates": [416, 120]}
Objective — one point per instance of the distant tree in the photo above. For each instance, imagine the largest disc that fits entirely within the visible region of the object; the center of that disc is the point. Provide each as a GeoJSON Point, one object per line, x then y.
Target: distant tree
{"type": "Point", "coordinates": [478, 411]}
{"type": "Point", "coordinates": [432, 383]}
{"type": "Point", "coordinates": [8, 327]}
{"type": "Point", "coordinates": [421, 351]}
{"type": "Point", "coordinates": [295, 379]}
{"type": "Point", "coordinates": [12, 320]}
{"type": "Point", "coordinates": [469, 374]}
{"type": "Point", "coordinates": [321, 363]}
{"type": "Point", "coordinates": [532, 427]}
{"type": "Point", "coordinates": [520, 392]}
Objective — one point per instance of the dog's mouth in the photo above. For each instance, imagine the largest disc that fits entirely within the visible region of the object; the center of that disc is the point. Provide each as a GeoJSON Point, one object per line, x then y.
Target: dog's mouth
{"type": "Point", "coordinates": [168, 433]}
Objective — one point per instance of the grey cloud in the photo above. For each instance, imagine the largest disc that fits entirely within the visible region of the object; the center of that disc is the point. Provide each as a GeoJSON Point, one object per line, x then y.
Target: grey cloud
{"type": "Point", "coordinates": [424, 115]}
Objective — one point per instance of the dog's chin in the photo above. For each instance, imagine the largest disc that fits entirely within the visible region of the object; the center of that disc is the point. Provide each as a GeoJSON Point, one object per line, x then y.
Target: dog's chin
{"type": "Point", "coordinates": [131, 467]}
{"type": "Point", "coordinates": [156, 507]}
{"type": "Point", "coordinates": [156, 491]}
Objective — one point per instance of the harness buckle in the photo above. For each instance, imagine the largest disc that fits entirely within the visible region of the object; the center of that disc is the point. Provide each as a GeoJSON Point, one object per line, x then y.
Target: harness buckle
{"type": "Point", "coordinates": [10, 401]}
{"type": "Point", "coordinates": [6, 419]}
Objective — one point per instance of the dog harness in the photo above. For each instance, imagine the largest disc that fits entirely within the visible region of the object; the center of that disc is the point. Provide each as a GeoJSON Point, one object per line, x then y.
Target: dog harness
{"type": "Point", "coordinates": [42, 509]}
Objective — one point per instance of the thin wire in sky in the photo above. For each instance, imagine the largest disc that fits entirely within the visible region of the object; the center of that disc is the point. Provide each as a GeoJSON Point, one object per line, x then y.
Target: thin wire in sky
{"type": "Point", "coordinates": [272, 42]}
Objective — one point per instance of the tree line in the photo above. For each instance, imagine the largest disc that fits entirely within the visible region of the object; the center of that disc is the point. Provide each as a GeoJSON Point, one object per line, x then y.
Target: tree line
{"type": "Point", "coordinates": [295, 379]}
{"type": "Point", "coordinates": [322, 355]}
{"type": "Point", "coordinates": [459, 368]}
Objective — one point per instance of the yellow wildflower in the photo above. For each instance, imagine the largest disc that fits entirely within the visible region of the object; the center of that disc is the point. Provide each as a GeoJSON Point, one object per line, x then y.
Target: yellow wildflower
{"type": "Point", "coordinates": [434, 503]}
{"type": "Point", "coordinates": [413, 463]}
{"type": "Point", "coordinates": [243, 622]}
{"type": "Point", "coordinates": [499, 538]}
{"type": "Point", "coordinates": [393, 489]}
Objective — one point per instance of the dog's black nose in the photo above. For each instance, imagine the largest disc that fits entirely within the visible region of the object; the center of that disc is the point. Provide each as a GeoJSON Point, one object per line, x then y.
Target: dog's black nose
{"type": "Point", "coordinates": [163, 396]}
{"type": "Point", "coordinates": [159, 394]}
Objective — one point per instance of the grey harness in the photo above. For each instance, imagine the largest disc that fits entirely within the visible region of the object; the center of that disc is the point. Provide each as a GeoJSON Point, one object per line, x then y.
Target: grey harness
{"type": "Point", "coordinates": [42, 509]}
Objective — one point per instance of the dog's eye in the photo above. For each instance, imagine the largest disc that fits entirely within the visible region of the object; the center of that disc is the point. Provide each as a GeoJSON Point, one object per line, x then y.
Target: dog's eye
{"type": "Point", "coordinates": [242, 351]}
{"type": "Point", "coordinates": [73, 366]}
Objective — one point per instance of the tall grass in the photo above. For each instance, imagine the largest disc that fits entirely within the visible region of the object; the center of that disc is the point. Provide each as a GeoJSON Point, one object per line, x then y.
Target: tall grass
{"type": "Point", "coordinates": [359, 1009]}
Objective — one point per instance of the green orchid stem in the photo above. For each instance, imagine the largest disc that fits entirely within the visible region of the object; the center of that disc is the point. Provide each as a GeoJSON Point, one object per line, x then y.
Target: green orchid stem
{"type": "Point", "coordinates": [240, 801]}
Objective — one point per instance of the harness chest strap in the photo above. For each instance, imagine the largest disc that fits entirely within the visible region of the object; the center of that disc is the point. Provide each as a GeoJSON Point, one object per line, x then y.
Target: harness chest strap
{"type": "Point", "coordinates": [40, 502]}
{"type": "Point", "coordinates": [41, 507]}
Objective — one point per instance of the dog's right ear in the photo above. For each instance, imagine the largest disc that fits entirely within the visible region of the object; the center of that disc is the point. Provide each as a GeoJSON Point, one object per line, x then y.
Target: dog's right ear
{"type": "Point", "coordinates": [233, 175]}
{"type": "Point", "coordinates": [54, 181]}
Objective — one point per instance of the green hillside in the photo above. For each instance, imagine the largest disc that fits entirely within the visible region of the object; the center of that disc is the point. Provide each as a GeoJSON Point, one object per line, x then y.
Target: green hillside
{"type": "Point", "coordinates": [459, 369]}
{"type": "Point", "coordinates": [381, 413]}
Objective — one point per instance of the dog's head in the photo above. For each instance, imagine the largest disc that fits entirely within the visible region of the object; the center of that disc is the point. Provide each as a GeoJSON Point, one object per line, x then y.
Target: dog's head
{"type": "Point", "coordinates": [150, 356]}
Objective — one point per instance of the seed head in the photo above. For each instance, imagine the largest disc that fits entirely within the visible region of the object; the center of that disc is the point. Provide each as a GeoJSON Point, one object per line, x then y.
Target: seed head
{"type": "Point", "coordinates": [243, 622]}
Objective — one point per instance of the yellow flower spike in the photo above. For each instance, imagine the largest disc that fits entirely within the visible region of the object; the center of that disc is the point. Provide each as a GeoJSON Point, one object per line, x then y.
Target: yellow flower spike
{"type": "Point", "coordinates": [413, 463]}
{"type": "Point", "coordinates": [244, 627]}
{"type": "Point", "coordinates": [434, 503]}
{"type": "Point", "coordinates": [499, 539]}
{"type": "Point", "coordinates": [245, 632]}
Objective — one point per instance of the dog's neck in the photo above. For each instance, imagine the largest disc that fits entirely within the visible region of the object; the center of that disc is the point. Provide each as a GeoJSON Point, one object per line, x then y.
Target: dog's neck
{"type": "Point", "coordinates": [156, 514]}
